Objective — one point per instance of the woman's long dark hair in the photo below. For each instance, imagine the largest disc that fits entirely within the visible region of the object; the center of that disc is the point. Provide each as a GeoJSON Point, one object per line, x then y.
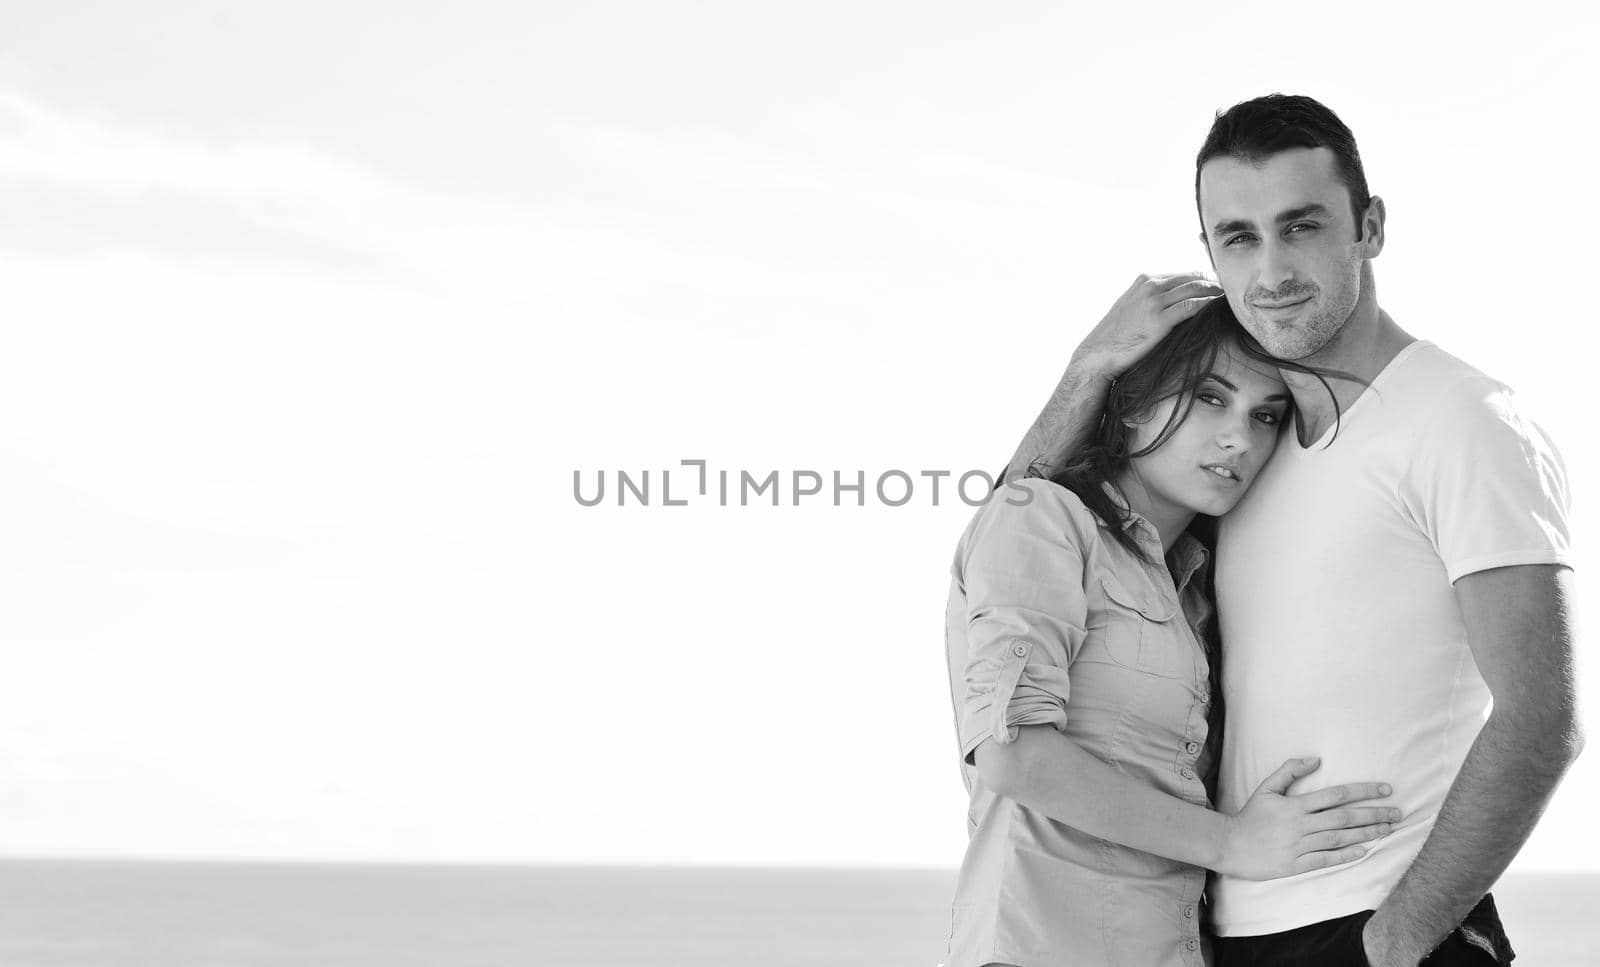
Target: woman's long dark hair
{"type": "Point", "coordinates": [1173, 368]}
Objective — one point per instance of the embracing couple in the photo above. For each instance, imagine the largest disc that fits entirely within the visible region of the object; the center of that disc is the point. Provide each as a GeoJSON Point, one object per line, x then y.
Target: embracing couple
{"type": "Point", "coordinates": [1222, 645]}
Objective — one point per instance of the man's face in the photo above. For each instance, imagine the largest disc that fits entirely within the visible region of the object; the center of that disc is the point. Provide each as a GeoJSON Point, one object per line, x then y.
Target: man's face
{"type": "Point", "coordinates": [1283, 242]}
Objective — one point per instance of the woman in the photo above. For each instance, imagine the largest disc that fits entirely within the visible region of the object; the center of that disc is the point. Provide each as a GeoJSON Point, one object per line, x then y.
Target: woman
{"type": "Point", "coordinates": [1084, 686]}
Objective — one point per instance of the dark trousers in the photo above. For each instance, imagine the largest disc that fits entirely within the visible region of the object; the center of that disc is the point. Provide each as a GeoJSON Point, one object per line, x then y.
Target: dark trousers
{"type": "Point", "coordinates": [1479, 940]}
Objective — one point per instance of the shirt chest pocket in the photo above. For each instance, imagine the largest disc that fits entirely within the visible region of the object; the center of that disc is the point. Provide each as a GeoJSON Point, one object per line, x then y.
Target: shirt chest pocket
{"type": "Point", "coordinates": [1142, 631]}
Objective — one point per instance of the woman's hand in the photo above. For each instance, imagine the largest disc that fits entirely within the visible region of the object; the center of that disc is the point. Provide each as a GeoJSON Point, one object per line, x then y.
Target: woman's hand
{"type": "Point", "coordinates": [1277, 834]}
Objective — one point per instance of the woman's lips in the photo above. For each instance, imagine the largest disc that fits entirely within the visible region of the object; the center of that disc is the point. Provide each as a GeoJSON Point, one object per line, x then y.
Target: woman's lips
{"type": "Point", "coordinates": [1222, 473]}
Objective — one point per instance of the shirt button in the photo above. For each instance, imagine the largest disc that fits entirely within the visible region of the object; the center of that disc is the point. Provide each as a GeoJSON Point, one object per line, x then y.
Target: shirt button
{"type": "Point", "coordinates": [1188, 913]}
{"type": "Point", "coordinates": [1186, 773]}
{"type": "Point", "coordinates": [1191, 943]}
{"type": "Point", "coordinates": [1020, 650]}
{"type": "Point", "coordinates": [1193, 748]}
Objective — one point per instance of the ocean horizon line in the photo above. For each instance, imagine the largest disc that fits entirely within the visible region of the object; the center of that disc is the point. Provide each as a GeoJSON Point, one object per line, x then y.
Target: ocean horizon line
{"type": "Point", "coordinates": [88, 911]}
{"type": "Point", "coordinates": [549, 865]}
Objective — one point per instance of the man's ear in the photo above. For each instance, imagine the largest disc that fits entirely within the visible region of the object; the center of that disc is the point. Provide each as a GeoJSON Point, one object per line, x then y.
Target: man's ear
{"type": "Point", "coordinates": [1372, 228]}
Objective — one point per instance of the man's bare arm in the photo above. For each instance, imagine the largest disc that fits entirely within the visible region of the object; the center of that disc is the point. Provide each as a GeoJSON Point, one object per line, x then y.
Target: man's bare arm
{"type": "Point", "coordinates": [1520, 627]}
{"type": "Point", "coordinates": [1065, 425]}
{"type": "Point", "coordinates": [1144, 314]}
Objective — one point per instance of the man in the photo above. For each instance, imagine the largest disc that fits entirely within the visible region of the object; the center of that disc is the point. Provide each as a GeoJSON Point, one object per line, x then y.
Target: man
{"type": "Point", "coordinates": [1399, 563]}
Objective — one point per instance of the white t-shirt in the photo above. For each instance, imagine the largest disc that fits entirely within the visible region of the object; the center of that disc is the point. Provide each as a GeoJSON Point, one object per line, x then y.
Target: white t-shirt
{"type": "Point", "coordinates": [1341, 633]}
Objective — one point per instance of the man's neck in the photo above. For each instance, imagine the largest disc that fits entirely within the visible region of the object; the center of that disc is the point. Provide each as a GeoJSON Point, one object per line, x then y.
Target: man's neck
{"type": "Point", "coordinates": [1366, 344]}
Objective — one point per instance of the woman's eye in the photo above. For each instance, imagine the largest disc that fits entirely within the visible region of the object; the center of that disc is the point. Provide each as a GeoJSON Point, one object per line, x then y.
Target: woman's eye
{"type": "Point", "coordinates": [1269, 418]}
{"type": "Point", "coordinates": [1210, 399]}
{"type": "Point", "coordinates": [1299, 226]}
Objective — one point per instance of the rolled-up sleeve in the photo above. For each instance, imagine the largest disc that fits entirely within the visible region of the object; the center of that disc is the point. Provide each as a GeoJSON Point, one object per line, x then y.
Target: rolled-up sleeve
{"type": "Point", "coordinates": [1026, 613]}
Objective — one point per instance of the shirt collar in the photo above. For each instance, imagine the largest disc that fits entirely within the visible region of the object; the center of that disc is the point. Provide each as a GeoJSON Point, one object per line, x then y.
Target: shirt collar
{"type": "Point", "coordinates": [1188, 555]}
{"type": "Point", "coordinates": [1189, 560]}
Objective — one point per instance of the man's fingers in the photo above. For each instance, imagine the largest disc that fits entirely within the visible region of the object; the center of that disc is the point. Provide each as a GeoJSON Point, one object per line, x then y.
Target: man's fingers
{"type": "Point", "coordinates": [1339, 795]}
{"type": "Point", "coordinates": [1194, 288]}
{"type": "Point", "coordinates": [1179, 311]}
{"type": "Point", "coordinates": [1165, 282]}
{"type": "Point", "coordinates": [1285, 775]}
{"type": "Point", "coordinates": [1321, 861]}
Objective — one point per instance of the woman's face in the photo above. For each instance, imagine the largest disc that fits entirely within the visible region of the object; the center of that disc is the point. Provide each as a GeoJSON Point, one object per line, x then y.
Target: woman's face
{"type": "Point", "coordinates": [1215, 454]}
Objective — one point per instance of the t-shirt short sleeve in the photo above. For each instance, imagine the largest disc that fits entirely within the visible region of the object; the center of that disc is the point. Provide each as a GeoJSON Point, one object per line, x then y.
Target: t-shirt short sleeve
{"type": "Point", "coordinates": [1487, 484]}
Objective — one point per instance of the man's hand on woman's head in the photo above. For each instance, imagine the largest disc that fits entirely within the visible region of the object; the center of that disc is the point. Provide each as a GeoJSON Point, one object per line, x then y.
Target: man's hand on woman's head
{"type": "Point", "coordinates": [1142, 317]}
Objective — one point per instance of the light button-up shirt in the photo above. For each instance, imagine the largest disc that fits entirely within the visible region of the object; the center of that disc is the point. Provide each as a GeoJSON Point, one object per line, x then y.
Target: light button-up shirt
{"type": "Point", "coordinates": [1052, 621]}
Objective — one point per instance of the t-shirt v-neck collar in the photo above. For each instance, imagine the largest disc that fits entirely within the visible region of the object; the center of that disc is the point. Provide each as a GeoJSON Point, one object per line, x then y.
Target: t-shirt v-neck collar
{"type": "Point", "coordinates": [1343, 421]}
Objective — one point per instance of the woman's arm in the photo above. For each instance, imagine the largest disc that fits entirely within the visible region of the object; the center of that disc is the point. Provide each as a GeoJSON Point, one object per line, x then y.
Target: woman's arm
{"type": "Point", "coordinates": [1027, 617]}
{"type": "Point", "coordinates": [1274, 835]}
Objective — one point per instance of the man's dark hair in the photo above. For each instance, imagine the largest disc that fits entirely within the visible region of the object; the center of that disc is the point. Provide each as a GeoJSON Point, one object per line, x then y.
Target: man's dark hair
{"type": "Point", "coordinates": [1257, 129]}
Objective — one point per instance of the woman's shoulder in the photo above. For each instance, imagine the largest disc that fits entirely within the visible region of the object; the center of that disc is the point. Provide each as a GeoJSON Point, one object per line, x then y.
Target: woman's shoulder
{"type": "Point", "coordinates": [1037, 504]}
{"type": "Point", "coordinates": [1027, 526]}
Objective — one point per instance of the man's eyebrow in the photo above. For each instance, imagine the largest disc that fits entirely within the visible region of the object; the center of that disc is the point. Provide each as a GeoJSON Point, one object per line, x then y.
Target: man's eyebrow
{"type": "Point", "coordinates": [1274, 398]}
{"type": "Point", "coordinates": [1313, 210]}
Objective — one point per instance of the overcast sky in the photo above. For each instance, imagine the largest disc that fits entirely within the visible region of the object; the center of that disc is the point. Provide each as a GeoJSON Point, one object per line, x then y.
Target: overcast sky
{"type": "Point", "coordinates": [314, 310]}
